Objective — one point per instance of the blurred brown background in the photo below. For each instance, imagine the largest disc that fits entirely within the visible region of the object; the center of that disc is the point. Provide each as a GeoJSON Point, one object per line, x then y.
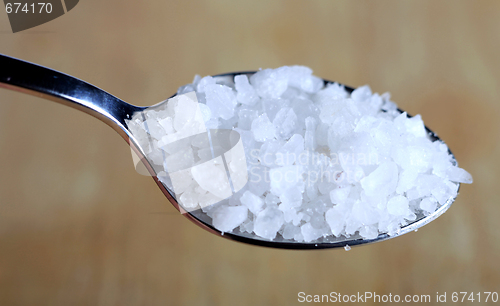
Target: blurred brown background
{"type": "Point", "coordinates": [78, 226]}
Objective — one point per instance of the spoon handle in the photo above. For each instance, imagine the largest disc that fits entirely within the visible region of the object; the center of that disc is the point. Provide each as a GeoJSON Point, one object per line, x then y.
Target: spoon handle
{"type": "Point", "coordinates": [22, 76]}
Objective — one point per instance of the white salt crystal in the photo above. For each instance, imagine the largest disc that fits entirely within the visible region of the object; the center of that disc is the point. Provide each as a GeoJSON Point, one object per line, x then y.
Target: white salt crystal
{"type": "Point", "coordinates": [290, 151]}
{"type": "Point", "coordinates": [332, 92]}
{"type": "Point", "coordinates": [425, 183]}
{"type": "Point", "coordinates": [268, 223]}
{"type": "Point", "coordinates": [167, 125]}
{"type": "Point", "coordinates": [400, 122]}
{"type": "Point", "coordinates": [415, 126]}
{"type": "Point", "coordinates": [301, 77]}
{"type": "Point", "coordinates": [310, 233]}
{"type": "Point", "coordinates": [365, 212]}
{"type": "Point", "coordinates": [252, 201]}
{"type": "Point", "coordinates": [318, 221]}
{"type": "Point", "coordinates": [272, 106]}
{"type": "Point", "coordinates": [205, 112]}
{"type": "Point", "coordinates": [246, 93]}
{"type": "Point", "coordinates": [208, 199]}
{"type": "Point", "coordinates": [196, 80]}
{"type": "Point", "coordinates": [322, 134]}
{"type": "Point", "coordinates": [413, 157]}
{"type": "Point", "coordinates": [284, 178]}
{"type": "Point", "coordinates": [269, 83]}
{"type": "Point", "coordinates": [188, 118]}
{"type": "Point", "coordinates": [246, 117]}
{"type": "Point", "coordinates": [440, 162]}
{"type": "Point", "coordinates": [389, 106]}
{"type": "Point", "coordinates": [375, 104]}
{"type": "Point", "coordinates": [290, 198]}
{"type": "Point", "coordinates": [428, 204]}
{"type": "Point", "coordinates": [227, 218]}
{"type": "Point", "coordinates": [398, 205]}
{"type": "Point", "coordinates": [336, 220]}
{"type": "Point", "coordinates": [291, 216]}
{"type": "Point", "coordinates": [268, 154]}
{"type": "Point", "coordinates": [186, 89]}
{"type": "Point", "coordinates": [369, 232]}
{"type": "Point", "coordinates": [221, 100]}
{"type": "Point", "coordinates": [285, 122]}
{"type": "Point", "coordinates": [324, 187]}
{"type": "Point", "coordinates": [156, 156]}
{"type": "Point", "coordinates": [182, 159]}
{"type": "Point", "coordinates": [339, 195]}
{"type": "Point", "coordinates": [247, 226]}
{"type": "Point", "coordinates": [452, 188]}
{"type": "Point", "coordinates": [181, 180]}
{"type": "Point", "coordinates": [289, 231]}
{"type": "Point", "coordinates": [414, 193]}
{"type": "Point", "coordinates": [263, 129]}
{"type": "Point", "coordinates": [439, 190]}
{"type": "Point", "coordinates": [459, 175]}
{"type": "Point", "coordinates": [189, 199]}
{"type": "Point", "coordinates": [329, 111]}
{"type": "Point", "coordinates": [258, 177]}
{"type": "Point", "coordinates": [310, 134]}
{"type": "Point", "coordinates": [352, 225]}
{"type": "Point", "coordinates": [271, 199]}
{"type": "Point", "coordinates": [383, 181]}
{"type": "Point", "coordinates": [311, 191]}
{"type": "Point", "coordinates": [154, 128]}
{"type": "Point", "coordinates": [304, 108]}
{"type": "Point", "coordinates": [406, 180]}
{"type": "Point", "coordinates": [212, 177]}
{"type": "Point", "coordinates": [204, 82]}
{"type": "Point", "coordinates": [361, 94]}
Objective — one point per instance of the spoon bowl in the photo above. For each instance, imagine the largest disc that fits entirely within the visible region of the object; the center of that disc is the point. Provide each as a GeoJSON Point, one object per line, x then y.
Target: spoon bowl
{"type": "Point", "coordinates": [22, 76]}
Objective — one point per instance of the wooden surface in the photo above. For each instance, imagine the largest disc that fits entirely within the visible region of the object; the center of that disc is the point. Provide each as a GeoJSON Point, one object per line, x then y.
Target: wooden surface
{"type": "Point", "coordinates": [78, 226]}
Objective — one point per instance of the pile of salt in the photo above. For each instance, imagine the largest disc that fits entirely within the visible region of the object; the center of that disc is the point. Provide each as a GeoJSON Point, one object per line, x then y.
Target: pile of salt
{"type": "Point", "coordinates": [320, 161]}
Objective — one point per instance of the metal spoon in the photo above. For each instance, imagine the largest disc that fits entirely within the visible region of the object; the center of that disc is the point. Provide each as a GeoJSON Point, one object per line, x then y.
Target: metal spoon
{"type": "Point", "coordinates": [22, 76]}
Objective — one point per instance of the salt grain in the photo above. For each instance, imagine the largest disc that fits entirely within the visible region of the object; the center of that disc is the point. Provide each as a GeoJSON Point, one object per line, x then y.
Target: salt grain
{"type": "Point", "coordinates": [226, 218]}
{"type": "Point", "coordinates": [263, 129]}
{"type": "Point", "coordinates": [268, 223]}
